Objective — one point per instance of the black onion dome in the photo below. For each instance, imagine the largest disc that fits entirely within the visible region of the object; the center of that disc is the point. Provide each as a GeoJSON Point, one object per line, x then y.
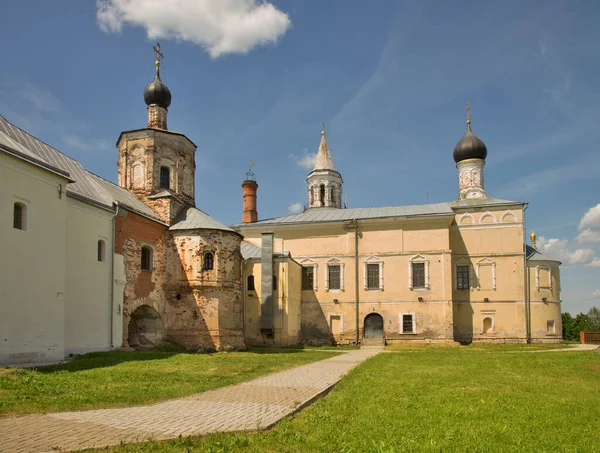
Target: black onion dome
{"type": "Point", "coordinates": [157, 93]}
{"type": "Point", "coordinates": [469, 147]}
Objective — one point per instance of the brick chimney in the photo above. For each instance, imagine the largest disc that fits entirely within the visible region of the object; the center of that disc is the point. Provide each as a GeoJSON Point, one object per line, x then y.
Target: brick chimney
{"type": "Point", "coordinates": [250, 214]}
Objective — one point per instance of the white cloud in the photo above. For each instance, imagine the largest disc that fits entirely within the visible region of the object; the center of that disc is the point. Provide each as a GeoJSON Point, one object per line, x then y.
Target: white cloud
{"type": "Point", "coordinates": [77, 142]}
{"type": "Point", "coordinates": [596, 293]}
{"type": "Point", "coordinates": [296, 208]}
{"type": "Point", "coordinates": [219, 26]}
{"type": "Point", "coordinates": [594, 263]}
{"type": "Point", "coordinates": [560, 249]}
{"type": "Point", "coordinates": [591, 219]}
{"type": "Point", "coordinates": [589, 236]}
{"type": "Point", "coordinates": [307, 161]}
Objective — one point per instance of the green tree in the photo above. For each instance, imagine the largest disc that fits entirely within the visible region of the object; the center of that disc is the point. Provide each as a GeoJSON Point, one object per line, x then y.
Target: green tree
{"type": "Point", "coordinates": [567, 327]}
{"type": "Point", "coordinates": [594, 319]}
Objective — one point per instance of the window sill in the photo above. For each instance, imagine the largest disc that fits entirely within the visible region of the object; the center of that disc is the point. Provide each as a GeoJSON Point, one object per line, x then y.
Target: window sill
{"type": "Point", "coordinates": [409, 333]}
{"type": "Point", "coordinates": [423, 288]}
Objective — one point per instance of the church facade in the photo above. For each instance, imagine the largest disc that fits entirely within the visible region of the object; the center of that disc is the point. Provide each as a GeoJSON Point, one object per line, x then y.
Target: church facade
{"type": "Point", "coordinates": [449, 272]}
{"type": "Point", "coordinates": [137, 263]}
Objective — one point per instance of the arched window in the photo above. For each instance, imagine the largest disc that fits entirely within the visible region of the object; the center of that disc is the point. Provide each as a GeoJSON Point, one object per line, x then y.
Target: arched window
{"type": "Point", "coordinates": [164, 178]}
{"type": "Point", "coordinates": [250, 283]}
{"type": "Point", "coordinates": [146, 258]}
{"type": "Point", "coordinates": [101, 250]}
{"type": "Point", "coordinates": [322, 195]}
{"type": "Point", "coordinates": [209, 261]}
{"type": "Point", "coordinates": [20, 216]}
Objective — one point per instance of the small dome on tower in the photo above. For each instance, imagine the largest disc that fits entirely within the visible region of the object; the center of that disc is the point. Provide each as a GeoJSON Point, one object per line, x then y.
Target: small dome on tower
{"type": "Point", "coordinates": [470, 146]}
{"type": "Point", "coordinates": [157, 93]}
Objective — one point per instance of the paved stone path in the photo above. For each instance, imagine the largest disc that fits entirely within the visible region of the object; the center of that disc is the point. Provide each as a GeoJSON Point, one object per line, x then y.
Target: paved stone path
{"type": "Point", "coordinates": [249, 406]}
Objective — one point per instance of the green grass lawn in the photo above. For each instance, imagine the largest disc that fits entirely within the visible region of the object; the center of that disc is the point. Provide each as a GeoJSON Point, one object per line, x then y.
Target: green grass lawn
{"type": "Point", "coordinates": [477, 347]}
{"type": "Point", "coordinates": [119, 378]}
{"type": "Point", "coordinates": [437, 399]}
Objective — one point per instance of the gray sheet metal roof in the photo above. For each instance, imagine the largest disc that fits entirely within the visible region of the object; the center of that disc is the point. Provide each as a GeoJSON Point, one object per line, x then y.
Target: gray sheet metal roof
{"type": "Point", "coordinates": [83, 187]}
{"type": "Point", "coordinates": [125, 198]}
{"type": "Point", "coordinates": [250, 250]}
{"type": "Point", "coordinates": [315, 215]}
{"type": "Point", "coordinates": [534, 255]}
{"type": "Point", "coordinates": [193, 218]}
{"type": "Point", "coordinates": [14, 148]}
{"type": "Point", "coordinates": [480, 202]}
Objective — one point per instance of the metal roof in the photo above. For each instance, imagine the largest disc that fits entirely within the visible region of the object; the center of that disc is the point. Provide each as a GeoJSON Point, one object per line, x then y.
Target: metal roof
{"type": "Point", "coordinates": [83, 187]}
{"type": "Point", "coordinates": [534, 255]}
{"type": "Point", "coordinates": [479, 202]}
{"type": "Point", "coordinates": [315, 215]}
{"type": "Point", "coordinates": [10, 146]}
{"type": "Point", "coordinates": [125, 198]}
{"type": "Point", "coordinates": [193, 218]}
{"type": "Point", "coordinates": [250, 250]}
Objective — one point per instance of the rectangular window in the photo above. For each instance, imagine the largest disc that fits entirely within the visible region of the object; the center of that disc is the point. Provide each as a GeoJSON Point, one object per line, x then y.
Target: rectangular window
{"type": "Point", "coordinates": [407, 324]}
{"type": "Point", "coordinates": [308, 278]}
{"type": "Point", "coordinates": [334, 273]}
{"type": "Point", "coordinates": [551, 328]}
{"type": "Point", "coordinates": [462, 277]}
{"type": "Point", "coordinates": [418, 275]}
{"type": "Point", "coordinates": [372, 276]}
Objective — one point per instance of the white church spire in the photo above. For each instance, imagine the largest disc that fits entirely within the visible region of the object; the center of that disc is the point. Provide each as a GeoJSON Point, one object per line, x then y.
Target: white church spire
{"type": "Point", "coordinates": [324, 182]}
{"type": "Point", "coordinates": [323, 161]}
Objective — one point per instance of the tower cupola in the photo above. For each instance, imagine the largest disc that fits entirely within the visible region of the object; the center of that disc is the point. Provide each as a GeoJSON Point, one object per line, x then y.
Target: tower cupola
{"type": "Point", "coordinates": [469, 154]}
{"type": "Point", "coordinates": [324, 182]}
{"type": "Point", "coordinates": [157, 96]}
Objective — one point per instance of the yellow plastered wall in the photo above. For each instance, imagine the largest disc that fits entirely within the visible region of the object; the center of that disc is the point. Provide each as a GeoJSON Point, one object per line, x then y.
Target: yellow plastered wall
{"type": "Point", "coordinates": [32, 264]}
{"type": "Point", "coordinates": [287, 309]}
{"type": "Point", "coordinates": [544, 283]}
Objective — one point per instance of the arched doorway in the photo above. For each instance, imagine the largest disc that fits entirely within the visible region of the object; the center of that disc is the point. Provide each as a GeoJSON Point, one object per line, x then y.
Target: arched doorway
{"type": "Point", "coordinates": [374, 326]}
{"type": "Point", "coordinates": [145, 328]}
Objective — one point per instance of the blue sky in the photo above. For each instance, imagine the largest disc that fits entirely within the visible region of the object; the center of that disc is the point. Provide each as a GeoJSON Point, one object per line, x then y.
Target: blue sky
{"type": "Point", "coordinates": [390, 79]}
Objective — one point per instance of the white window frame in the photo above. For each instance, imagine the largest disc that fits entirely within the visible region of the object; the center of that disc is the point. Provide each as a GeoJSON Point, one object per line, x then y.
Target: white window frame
{"type": "Point", "coordinates": [205, 250]}
{"type": "Point", "coordinates": [486, 262]}
{"type": "Point", "coordinates": [341, 315]}
{"type": "Point", "coordinates": [463, 262]}
{"type": "Point", "coordinates": [537, 277]}
{"type": "Point", "coordinates": [373, 260]}
{"type": "Point", "coordinates": [25, 205]}
{"type": "Point", "coordinates": [315, 266]}
{"type": "Point", "coordinates": [414, 323]}
{"type": "Point", "coordinates": [492, 317]}
{"type": "Point", "coordinates": [418, 259]}
{"type": "Point", "coordinates": [334, 262]}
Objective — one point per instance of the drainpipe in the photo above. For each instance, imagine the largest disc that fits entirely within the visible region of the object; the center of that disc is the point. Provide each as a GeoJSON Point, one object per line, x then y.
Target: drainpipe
{"type": "Point", "coordinates": [526, 285]}
{"type": "Point", "coordinates": [356, 279]}
{"type": "Point", "coordinates": [112, 276]}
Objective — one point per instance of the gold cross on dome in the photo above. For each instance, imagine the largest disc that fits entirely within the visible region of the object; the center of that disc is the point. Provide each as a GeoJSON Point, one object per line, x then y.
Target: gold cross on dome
{"type": "Point", "coordinates": [468, 112]}
{"type": "Point", "coordinates": [159, 55]}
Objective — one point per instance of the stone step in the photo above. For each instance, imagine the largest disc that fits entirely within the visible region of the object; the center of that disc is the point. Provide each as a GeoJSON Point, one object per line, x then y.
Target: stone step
{"type": "Point", "coordinates": [373, 342]}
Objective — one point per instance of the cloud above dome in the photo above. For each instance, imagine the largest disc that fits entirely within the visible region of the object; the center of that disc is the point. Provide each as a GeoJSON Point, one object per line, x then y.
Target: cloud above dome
{"type": "Point", "coordinates": [220, 27]}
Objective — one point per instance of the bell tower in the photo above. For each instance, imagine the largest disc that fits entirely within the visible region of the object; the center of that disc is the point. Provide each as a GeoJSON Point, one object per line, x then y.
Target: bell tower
{"type": "Point", "coordinates": [155, 164]}
{"type": "Point", "coordinates": [469, 154]}
{"type": "Point", "coordinates": [324, 182]}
